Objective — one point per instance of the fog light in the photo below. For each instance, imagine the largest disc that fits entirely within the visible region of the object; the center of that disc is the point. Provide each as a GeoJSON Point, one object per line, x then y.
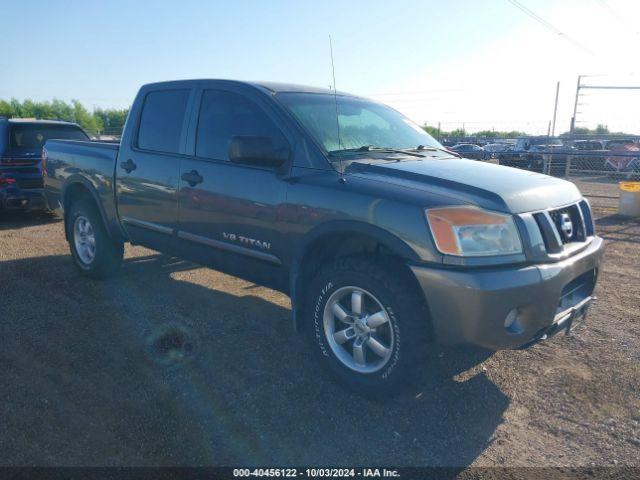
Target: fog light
{"type": "Point", "coordinates": [511, 318]}
{"type": "Point", "coordinates": [511, 323]}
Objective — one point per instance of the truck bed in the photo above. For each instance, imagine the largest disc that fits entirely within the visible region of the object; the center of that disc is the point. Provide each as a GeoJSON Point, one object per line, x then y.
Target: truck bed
{"type": "Point", "coordinates": [92, 163]}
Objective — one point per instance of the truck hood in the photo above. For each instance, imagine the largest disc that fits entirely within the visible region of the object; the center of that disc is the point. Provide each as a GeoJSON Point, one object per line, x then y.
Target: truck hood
{"type": "Point", "coordinates": [487, 185]}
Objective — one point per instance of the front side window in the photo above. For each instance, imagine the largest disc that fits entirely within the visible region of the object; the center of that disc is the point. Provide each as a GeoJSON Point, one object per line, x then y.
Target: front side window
{"type": "Point", "coordinates": [224, 115]}
{"type": "Point", "coordinates": [361, 122]}
{"type": "Point", "coordinates": [162, 120]}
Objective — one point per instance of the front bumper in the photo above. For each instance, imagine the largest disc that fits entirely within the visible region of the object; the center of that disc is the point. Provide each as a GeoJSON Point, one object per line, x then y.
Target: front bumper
{"type": "Point", "coordinates": [470, 306]}
{"type": "Point", "coordinates": [13, 198]}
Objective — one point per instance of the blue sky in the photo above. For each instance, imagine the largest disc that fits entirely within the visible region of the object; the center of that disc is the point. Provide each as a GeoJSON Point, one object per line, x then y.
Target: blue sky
{"type": "Point", "coordinates": [485, 63]}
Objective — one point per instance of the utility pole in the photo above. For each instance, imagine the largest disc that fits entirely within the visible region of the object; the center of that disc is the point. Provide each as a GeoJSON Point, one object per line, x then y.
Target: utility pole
{"type": "Point", "coordinates": [575, 107]}
{"type": "Point", "coordinates": [555, 111]}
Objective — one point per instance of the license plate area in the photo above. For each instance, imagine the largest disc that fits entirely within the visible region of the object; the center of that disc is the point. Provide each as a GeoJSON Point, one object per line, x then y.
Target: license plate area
{"type": "Point", "coordinates": [569, 319]}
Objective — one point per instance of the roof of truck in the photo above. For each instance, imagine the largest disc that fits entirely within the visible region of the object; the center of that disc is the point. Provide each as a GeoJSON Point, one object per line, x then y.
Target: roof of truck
{"type": "Point", "coordinates": [271, 87]}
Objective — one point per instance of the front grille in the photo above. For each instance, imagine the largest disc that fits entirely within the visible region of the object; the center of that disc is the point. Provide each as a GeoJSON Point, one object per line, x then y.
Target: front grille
{"type": "Point", "coordinates": [561, 226]}
{"type": "Point", "coordinates": [28, 183]}
{"type": "Point", "coordinates": [568, 223]}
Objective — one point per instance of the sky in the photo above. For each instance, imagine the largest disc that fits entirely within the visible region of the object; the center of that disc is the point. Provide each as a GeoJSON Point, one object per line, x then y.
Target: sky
{"type": "Point", "coordinates": [477, 64]}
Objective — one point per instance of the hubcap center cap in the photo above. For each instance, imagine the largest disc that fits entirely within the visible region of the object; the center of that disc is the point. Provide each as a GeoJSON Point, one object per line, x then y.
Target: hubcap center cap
{"type": "Point", "coordinates": [361, 326]}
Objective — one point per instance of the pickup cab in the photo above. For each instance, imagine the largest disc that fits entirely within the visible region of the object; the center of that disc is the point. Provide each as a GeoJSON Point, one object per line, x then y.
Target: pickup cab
{"type": "Point", "coordinates": [384, 241]}
{"type": "Point", "coordinates": [21, 141]}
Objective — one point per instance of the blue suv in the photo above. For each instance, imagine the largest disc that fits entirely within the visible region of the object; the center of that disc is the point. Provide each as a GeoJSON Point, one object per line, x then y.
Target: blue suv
{"type": "Point", "coordinates": [21, 141]}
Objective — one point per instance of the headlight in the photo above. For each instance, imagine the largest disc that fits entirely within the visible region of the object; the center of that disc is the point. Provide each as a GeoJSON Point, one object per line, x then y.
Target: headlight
{"type": "Point", "coordinates": [471, 231]}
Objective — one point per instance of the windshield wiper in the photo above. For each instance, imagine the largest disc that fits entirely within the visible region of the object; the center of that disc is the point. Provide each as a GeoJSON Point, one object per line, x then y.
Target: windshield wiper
{"type": "Point", "coordinates": [370, 148]}
{"type": "Point", "coordinates": [436, 149]}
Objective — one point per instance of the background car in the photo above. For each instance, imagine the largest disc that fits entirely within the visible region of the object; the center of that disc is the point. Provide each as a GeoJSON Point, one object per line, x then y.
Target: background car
{"type": "Point", "coordinates": [470, 150]}
{"type": "Point", "coordinates": [21, 141]}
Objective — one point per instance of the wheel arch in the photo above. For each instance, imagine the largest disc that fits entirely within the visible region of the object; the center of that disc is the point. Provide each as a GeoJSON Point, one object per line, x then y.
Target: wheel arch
{"type": "Point", "coordinates": [77, 187]}
{"type": "Point", "coordinates": [338, 239]}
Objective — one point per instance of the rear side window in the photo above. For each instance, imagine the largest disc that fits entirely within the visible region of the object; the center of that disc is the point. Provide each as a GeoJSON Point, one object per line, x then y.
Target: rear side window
{"type": "Point", "coordinates": [162, 119]}
{"type": "Point", "coordinates": [224, 115]}
{"type": "Point", "coordinates": [33, 135]}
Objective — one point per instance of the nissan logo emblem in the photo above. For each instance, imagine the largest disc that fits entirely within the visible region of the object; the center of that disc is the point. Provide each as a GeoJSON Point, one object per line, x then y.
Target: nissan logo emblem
{"type": "Point", "coordinates": [566, 225]}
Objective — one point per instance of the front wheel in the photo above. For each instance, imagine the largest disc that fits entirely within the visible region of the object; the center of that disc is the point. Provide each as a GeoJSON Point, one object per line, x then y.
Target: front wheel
{"type": "Point", "coordinates": [370, 327]}
{"type": "Point", "coordinates": [93, 250]}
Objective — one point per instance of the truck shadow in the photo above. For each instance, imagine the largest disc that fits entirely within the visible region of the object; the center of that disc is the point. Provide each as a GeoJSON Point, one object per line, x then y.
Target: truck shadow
{"type": "Point", "coordinates": [16, 220]}
{"type": "Point", "coordinates": [153, 367]}
{"type": "Point", "coordinates": [616, 228]}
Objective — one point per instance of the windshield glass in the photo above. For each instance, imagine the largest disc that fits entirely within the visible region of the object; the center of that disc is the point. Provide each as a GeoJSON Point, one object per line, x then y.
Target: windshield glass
{"type": "Point", "coordinates": [362, 123]}
{"type": "Point", "coordinates": [33, 136]}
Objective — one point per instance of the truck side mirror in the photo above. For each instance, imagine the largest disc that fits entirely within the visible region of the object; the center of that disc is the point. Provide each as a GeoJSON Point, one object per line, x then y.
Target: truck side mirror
{"type": "Point", "coordinates": [258, 151]}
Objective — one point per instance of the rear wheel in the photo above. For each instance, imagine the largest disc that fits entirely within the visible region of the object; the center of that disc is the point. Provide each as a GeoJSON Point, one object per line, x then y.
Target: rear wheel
{"type": "Point", "coordinates": [94, 252]}
{"type": "Point", "coordinates": [369, 328]}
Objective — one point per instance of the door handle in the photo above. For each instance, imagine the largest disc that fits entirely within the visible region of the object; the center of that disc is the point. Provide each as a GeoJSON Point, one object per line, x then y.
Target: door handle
{"type": "Point", "coordinates": [192, 177]}
{"type": "Point", "coordinates": [129, 166]}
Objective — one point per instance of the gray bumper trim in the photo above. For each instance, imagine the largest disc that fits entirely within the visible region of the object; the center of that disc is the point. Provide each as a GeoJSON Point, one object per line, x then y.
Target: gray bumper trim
{"type": "Point", "coordinates": [468, 306]}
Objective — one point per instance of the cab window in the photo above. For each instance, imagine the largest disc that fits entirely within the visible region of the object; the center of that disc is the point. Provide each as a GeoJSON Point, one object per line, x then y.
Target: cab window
{"type": "Point", "coordinates": [224, 115]}
{"type": "Point", "coordinates": [162, 119]}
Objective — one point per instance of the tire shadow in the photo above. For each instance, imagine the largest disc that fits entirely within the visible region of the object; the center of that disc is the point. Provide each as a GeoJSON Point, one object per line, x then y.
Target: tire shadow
{"type": "Point", "coordinates": [82, 386]}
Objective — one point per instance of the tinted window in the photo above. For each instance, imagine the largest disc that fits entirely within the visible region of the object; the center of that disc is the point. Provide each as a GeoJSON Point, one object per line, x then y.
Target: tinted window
{"type": "Point", "coordinates": [224, 115]}
{"type": "Point", "coordinates": [161, 121]}
{"type": "Point", "coordinates": [33, 135]}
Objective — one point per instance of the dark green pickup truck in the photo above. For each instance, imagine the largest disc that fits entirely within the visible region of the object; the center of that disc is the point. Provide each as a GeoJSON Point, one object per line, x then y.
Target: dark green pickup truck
{"type": "Point", "coordinates": [384, 240]}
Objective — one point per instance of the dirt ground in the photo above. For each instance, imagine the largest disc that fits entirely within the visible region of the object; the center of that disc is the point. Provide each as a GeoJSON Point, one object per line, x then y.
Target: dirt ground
{"type": "Point", "coordinates": [174, 364]}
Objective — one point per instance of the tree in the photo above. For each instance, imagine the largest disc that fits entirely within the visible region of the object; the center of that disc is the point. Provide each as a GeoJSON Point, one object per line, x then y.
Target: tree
{"type": "Point", "coordinates": [93, 122]}
{"type": "Point", "coordinates": [433, 131]}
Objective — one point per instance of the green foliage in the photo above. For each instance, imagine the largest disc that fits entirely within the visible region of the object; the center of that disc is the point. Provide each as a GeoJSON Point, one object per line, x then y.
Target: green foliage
{"type": "Point", "coordinates": [433, 131]}
{"type": "Point", "coordinates": [599, 130]}
{"type": "Point", "coordinates": [112, 119]}
{"type": "Point", "coordinates": [107, 121]}
{"type": "Point", "coordinates": [460, 132]}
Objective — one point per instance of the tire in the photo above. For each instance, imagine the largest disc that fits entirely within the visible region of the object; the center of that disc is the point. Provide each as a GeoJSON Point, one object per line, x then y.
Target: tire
{"type": "Point", "coordinates": [83, 216]}
{"type": "Point", "coordinates": [388, 291]}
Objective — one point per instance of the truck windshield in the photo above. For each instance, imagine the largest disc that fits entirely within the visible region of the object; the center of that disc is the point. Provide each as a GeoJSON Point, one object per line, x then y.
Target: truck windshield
{"type": "Point", "coordinates": [33, 135]}
{"type": "Point", "coordinates": [362, 123]}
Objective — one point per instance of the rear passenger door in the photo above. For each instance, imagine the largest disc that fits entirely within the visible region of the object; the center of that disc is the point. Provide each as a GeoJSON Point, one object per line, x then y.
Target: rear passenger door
{"type": "Point", "coordinates": [148, 167]}
{"type": "Point", "coordinates": [228, 212]}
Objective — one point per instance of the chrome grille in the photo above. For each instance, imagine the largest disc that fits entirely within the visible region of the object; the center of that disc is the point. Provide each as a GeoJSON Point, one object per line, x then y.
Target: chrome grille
{"type": "Point", "coordinates": [561, 226]}
{"type": "Point", "coordinates": [568, 223]}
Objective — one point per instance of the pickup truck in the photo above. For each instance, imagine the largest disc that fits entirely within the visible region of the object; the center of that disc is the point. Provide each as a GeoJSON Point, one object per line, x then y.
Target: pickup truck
{"type": "Point", "coordinates": [384, 241]}
{"type": "Point", "coordinates": [21, 141]}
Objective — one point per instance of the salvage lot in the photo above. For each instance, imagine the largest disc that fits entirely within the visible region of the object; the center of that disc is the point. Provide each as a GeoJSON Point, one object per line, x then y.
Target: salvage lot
{"type": "Point", "coordinates": [85, 380]}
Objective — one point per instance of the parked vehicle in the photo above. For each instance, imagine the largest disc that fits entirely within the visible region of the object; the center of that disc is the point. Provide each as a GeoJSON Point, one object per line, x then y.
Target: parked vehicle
{"type": "Point", "coordinates": [611, 144]}
{"type": "Point", "coordinates": [469, 150]}
{"type": "Point", "coordinates": [21, 140]}
{"type": "Point", "coordinates": [528, 154]}
{"type": "Point", "coordinates": [588, 145]}
{"type": "Point", "coordinates": [495, 149]}
{"type": "Point", "coordinates": [384, 241]}
{"type": "Point", "coordinates": [627, 160]}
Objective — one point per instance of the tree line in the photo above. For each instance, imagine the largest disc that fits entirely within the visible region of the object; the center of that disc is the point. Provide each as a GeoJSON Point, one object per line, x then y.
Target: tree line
{"type": "Point", "coordinates": [461, 132]}
{"type": "Point", "coordinates": [109, 121]}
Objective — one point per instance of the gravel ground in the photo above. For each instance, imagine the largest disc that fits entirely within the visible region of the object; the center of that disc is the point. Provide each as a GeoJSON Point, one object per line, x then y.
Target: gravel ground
{"type": "Point", "coordinates": [173, 364]}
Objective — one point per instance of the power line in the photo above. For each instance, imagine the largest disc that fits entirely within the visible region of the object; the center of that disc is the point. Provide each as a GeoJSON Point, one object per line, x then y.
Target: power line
{"type": "Point", "coordinates": [621, 20]}
{"type": "Point", "coordinates": [550, 27]}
